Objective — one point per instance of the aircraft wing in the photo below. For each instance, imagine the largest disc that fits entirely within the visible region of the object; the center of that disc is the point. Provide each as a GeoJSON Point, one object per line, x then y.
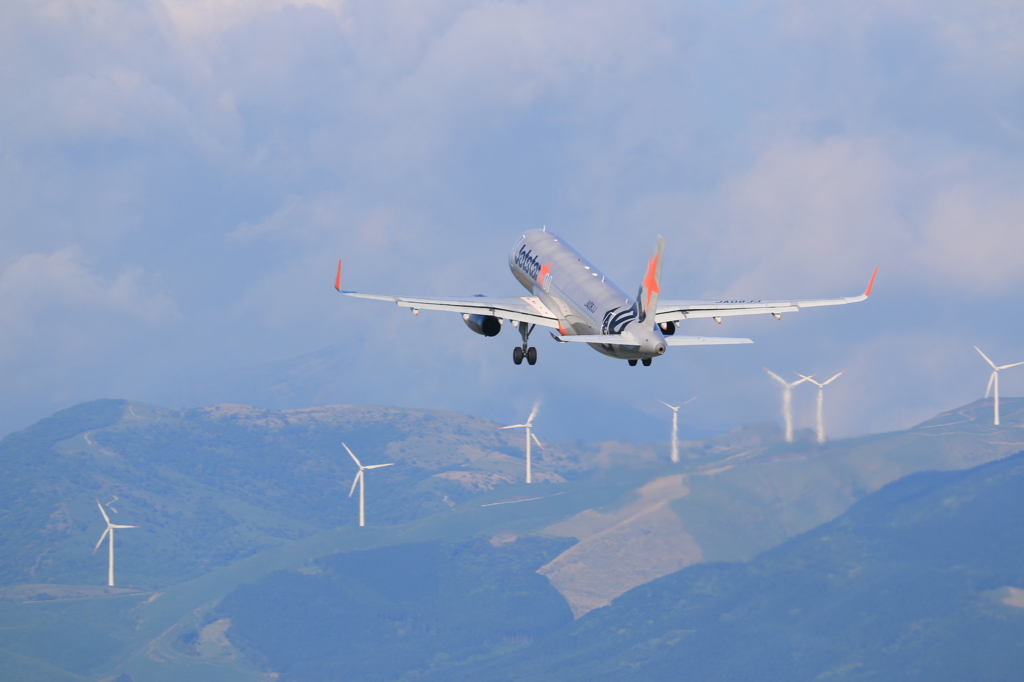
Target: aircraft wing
{"type": "Point", "coordinates": [519, 308]}
{"type": "Point", "coordinates": [672, 311]}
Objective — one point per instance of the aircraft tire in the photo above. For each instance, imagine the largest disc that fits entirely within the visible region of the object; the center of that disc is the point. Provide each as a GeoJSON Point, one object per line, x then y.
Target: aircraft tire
{"type": "Point", "coordinates": [647, 362]}
{"type": "Point", "coordinates": [531, 355]}
{"type": "Point", "coordinates": [517, 355]}
{"type": "Point", "coordinates": [632, 363]}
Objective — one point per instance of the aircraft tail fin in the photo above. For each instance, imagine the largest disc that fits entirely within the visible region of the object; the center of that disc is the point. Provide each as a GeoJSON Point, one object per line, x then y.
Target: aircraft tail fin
{"type": "Point", "coordinates": [647, 297]}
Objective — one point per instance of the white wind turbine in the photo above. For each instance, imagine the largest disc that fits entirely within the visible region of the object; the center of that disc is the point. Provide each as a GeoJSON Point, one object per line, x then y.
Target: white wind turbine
{"type": "Point", "coordinates": [675, 426]}
{"type": "Point", "coordinates": [361, 480]}
{"type": "Point", "coordinates": [993, 382]}
{"type": "Point", "coordinates": [529, 436]}
{"type": "Point", "coordinates": [110, 531]}
{"type": "Point", "coordinates": [821, 401]}
{"type": "Point", "coordinates": [787, 401]}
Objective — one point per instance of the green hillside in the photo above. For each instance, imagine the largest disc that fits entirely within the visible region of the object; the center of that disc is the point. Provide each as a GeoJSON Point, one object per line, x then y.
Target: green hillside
{"type": "Point", "coordinates": [921, 580]}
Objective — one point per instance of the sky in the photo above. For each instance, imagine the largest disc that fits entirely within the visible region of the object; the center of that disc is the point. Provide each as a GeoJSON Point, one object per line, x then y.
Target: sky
{"type": "Point", "coordinates": [178, 179]}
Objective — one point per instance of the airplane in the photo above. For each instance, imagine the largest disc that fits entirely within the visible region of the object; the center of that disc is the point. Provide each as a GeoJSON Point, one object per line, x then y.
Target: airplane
{"type": "Point", "coordinates": [568, 293]}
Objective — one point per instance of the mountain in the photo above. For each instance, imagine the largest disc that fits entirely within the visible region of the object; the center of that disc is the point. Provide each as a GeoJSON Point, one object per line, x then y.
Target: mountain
{"type": "Point", "coordinates": [227, 496]}
{"type": "Point", "coordinates": [921, 580]}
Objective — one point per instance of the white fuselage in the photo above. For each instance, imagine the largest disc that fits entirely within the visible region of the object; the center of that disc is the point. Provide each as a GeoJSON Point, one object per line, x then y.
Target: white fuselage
{"type": "Point", "coordinates": [585, 301]}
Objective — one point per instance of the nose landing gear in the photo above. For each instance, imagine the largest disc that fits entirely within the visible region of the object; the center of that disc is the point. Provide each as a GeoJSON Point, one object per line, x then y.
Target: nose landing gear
{"type": "Point", "coordinates": [646, 361]}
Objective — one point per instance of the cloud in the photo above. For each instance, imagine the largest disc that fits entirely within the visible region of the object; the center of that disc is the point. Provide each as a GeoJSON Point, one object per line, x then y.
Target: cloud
{"type": "Point", "coordinates": [36, 285]}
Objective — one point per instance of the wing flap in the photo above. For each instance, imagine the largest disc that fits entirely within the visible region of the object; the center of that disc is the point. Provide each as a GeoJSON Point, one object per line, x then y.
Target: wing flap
{"type": "Point", "coordinates": [519, 308]}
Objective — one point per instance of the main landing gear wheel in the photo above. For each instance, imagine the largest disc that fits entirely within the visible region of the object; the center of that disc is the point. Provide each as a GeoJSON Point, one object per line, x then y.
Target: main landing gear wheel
{"type": "Point", "coordinates": [647, 362]}
{"type": "Point", "coordinates": [632, 363]}
{"type": "Point", "coordinates": [525, 350]}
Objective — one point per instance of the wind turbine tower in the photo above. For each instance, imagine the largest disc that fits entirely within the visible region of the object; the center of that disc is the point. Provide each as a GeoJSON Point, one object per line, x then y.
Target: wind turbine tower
{"type": "Point", "coordinates": [109, 531]}
{"type": "Point", "coordinates": [529, 436]}
{"type": "Point", "coordinates": [821, 401]}
{"type": "Point", "coordinates": [360, 480]}
{"type": "Point", "coordinates": [993, 382]}
{"type": "Point", "coordinates": [787, 401]}
{"type": "Point", "coordinates": [675, 426]}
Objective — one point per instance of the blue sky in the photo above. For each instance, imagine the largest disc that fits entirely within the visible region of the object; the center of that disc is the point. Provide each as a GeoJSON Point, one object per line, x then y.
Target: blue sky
{"type": "Point", "coordinates": [178, 179]}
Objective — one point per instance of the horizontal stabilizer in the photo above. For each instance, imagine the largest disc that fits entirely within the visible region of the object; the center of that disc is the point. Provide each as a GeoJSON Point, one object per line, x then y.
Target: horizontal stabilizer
{"type": "Point", "coordinates": [704, 340]}
{"type": "Point", "coordinates": [623, 339]}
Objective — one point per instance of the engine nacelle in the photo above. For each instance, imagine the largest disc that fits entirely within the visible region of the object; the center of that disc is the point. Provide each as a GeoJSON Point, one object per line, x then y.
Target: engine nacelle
{"type": "Point", "coordinates": [668, 328]}
{"type": "Point", "coordinates": [485, 325]}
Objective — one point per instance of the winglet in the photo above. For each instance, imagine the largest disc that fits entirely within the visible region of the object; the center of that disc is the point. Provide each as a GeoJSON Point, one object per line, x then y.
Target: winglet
{"type": "Point", "coordinates": [867, 292]}
{"type": "Point", "coordinates": [337, 278]}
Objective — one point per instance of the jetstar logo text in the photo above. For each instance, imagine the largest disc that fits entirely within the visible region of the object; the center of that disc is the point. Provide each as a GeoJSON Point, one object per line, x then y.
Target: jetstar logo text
{"type": "Point", "coordinates": [528, 262]}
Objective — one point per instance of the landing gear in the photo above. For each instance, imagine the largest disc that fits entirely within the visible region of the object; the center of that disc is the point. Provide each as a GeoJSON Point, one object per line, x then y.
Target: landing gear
{"type": "Point", "coordinates": [526, 350]}
{"type": "Point", "coordinates": [647, 362]}
{"type": "Point", "coordinates": [632, 363]}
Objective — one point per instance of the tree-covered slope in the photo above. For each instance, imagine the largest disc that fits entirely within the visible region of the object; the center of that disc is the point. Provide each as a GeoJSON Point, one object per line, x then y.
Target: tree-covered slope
{"type": "Point", "coordinates": [920, 580]}
{"type": "Point", "coordinates": [399, 610]}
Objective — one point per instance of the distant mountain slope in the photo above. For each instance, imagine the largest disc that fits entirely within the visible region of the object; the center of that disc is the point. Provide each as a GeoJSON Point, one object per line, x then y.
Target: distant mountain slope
{"type": "Point", "coordinates": [923, 579]}
{"type": "Point", "coordinates": [213, 485]}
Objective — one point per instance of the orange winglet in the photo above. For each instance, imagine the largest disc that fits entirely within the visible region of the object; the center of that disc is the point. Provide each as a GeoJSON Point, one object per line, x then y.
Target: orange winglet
{"type": "Point", "coordinates": [337, 278]}
{"type": "Point", "coordinates": [871, 283]}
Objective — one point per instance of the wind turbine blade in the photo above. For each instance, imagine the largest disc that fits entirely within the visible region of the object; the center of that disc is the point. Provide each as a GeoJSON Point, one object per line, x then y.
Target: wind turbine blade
{"type": "Point", "coordinates": [991, 380]}
{"type": "Point", "coordinates": [355, 482]}
{"type": "Point", "coordinates": [689, 401]}
{"type": "Point", "coordinates": [102, 538]}
{"type": "Point", "coordinates": [534, 436]}
{"type": "Point", "coordinates": [358, 464]}
{"type": "Point", "coordinates": [102, 511]}
{"type": "Point", "coordinates": [533, 413]}
{"type": "Point", "coordinates": [838, 375]}
{"type": "Point", "coordinates": [672, 407]}
{"type": "Point", "coordinates": [775, 376]}
{"type": "Point", "coordinates": [1009, 366]}
{"type": "Point", "coordinates": [514, 426]}
{"type": "Point", "coordinates": [805, 378]}
{"type": "Point", "coordinates": [986, 358]}
{"type": "Point", "coordinates": [378, 466]}
{"type": "Point", "coordinates": [113, 526]}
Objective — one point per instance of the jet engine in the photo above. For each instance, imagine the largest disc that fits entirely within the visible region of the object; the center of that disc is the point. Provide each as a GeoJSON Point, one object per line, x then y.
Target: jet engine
{"type": "Point", "coordinates": [485, 325]}
{"type": "Point", "coordinates": [668, 328]}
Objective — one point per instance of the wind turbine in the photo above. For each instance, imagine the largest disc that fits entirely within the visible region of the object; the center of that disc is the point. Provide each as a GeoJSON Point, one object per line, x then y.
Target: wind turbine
{"type": "Point", "coordinates": [361, 480]}
{"type": "Point", "coordinates": [110, 530]}
{"type": "Point", "coordinates": [529, 435]}
{"type": "Point", "coordinates": [821, 400]}
{"type": "Point", "coordinates": [675, 426]}
{"type": "Point", "coordinates": [993, 382]}
{"type": "Point", "coordinates": [787, 401]}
